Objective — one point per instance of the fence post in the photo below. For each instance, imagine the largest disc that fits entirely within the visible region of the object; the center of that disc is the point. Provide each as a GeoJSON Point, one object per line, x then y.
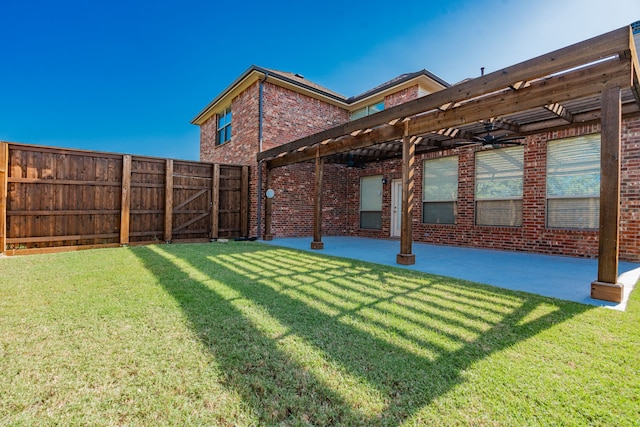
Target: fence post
{"type": "Point", "coordinates": [4, 172]}
{"type": "Point", "coordinates": [126, 199]}
{"type": "Point", "coordinates": [168, 201]}
{"type": "Point", "coordinates": [215, 201]}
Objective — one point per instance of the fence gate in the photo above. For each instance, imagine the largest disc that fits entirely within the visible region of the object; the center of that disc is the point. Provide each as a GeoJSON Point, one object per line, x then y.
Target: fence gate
{"type": "Point", "coordinates": [192, 201]}
{"type": "Point", "coordinates": [232, 188]}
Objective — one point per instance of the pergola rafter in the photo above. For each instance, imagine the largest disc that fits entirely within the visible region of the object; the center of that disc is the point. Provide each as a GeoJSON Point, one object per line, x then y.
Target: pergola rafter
{"type": "Point", "coordinates": [576, 84]}
{"type": "Point", "coordinates": [560, 111]}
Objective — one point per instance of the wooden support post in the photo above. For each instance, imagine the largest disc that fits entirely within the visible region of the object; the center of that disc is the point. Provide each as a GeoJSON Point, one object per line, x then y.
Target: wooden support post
{"type": "Point", "coordinates": [4, 175]}
{"type": "Point", "coordinates": [406, 257]}
{"type": "Point", "coordinates": [168, 201]}
{"type": "Point", "coordinates": [317, 205]}
{"type": "Point", "coordinates": [268, 206]}
{"type": "Point", "coordinates": [244, 202]}
{"type": "Point", "coordinates": [125, 205]}
{"type": "Point", "coordinates": [215, 202]}
{"type": "Point", "coordinates": [607, 286]}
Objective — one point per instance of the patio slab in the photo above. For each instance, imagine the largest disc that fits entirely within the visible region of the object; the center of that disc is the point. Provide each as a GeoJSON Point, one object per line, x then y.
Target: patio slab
{"type": "Point", "coordinates": [559, 277]}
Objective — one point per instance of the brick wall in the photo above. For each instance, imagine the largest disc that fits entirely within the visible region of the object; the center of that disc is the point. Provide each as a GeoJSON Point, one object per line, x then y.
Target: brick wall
{"type": "Point", "coordinates": [293, 203]}
{"type": "Point", "coordinates": [533, 236]}
{"type": "Point", "coordinates": [289, 115]}
{"type": "Point", "coordinates": [243, 146]}
{"type": "Point", "coordinates": [401, 97]}
{"type": "Point", "coordinates": [630, 190]}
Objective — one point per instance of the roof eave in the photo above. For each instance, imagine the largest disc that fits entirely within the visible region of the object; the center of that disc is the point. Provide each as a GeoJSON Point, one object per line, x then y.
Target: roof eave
{"type": "Point", "coordinates": [202, 115]}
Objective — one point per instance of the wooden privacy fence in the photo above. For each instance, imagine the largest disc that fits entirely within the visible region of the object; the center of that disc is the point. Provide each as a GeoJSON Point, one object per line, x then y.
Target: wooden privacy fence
{"type": "Point", "coordinates": [59, 199]}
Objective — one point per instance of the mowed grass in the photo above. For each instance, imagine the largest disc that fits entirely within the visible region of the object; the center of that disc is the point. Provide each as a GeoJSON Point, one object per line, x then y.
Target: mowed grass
{"type": "Point", "coordinates": [248, 334]}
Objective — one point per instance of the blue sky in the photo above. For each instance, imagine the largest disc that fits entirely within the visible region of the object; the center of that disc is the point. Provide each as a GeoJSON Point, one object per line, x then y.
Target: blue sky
{"type": "Point", "coordinates": [128, 76]}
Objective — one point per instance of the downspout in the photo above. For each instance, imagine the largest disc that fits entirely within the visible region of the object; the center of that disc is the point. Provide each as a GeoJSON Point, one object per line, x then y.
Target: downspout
{"type": "Point", "coordinates": [260, 192]}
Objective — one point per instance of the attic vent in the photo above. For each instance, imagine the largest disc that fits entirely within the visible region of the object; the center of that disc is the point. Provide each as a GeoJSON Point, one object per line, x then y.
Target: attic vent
{"type": "Point", "coordinates": [636, 27]}
{"type": "Point", "coordinates": [300, 76]}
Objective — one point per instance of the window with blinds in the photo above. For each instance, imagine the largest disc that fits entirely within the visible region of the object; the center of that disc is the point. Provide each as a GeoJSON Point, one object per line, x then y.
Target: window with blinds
{"type": "Point", "coordinates": [498, 187]}
{"type": "Point", "coordinates": [371, 202]}
{"type": "Point", "coordinates": [573, 182]}
{"type": "Point", "coordinates": [440, 191]}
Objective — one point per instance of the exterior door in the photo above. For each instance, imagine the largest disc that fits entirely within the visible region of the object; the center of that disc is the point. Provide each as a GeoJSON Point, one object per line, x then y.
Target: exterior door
{"type": "Point", "coordinates": [396, 207]}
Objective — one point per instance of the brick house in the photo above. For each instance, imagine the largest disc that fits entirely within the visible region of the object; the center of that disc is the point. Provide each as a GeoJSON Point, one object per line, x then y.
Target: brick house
{"type": "Point", "coordinates": [524, 162]}
{"type": "Point", "coordinates": [270, 108]}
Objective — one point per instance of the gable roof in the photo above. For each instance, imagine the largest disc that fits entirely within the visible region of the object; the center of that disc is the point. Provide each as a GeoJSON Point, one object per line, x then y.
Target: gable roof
{"type": "Point", "coordinates": [396, 81]}
{"type": "Point", "coordinates": [299, 83]}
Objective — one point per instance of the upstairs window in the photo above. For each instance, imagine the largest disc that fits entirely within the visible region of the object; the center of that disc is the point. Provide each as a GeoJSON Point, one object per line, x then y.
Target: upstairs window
{"type": "Point", "coordinates": [573, 182]}
{"type": "Point", "coordinates": [367, 111]}
{"type": "Point", "coordinates": [371, 202]}
{"type": "Point", "coordinates": [440, 191]}
{"type": "Point", "coordinates": [499, 187]}
{"type": "Point", "coordinates": [224, 126]}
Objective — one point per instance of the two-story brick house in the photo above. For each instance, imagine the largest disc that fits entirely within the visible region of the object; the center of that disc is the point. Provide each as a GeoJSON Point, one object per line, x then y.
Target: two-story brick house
{"type": "Point", "coordinates": [538, 192]}
{"type": "Point", "coordinates": [264, 108]}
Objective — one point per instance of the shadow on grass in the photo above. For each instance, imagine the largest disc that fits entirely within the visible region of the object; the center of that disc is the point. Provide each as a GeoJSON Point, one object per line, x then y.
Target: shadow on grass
{"type": "Point", "coordinates": [319, 340]}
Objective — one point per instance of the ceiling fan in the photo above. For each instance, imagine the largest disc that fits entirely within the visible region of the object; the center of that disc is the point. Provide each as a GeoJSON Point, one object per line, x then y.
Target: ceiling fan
{"type": "Point", "coordinates": [495, 141]}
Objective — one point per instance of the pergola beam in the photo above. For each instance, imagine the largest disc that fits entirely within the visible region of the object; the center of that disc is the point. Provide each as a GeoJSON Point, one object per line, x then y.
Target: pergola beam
{"type": "Point", "coordinates": [635, 68]}
{"type": "Point", "coordinates": [586, 117]}
{"type": "Point", "coordinates": [348, 143]}
{"type": "Point", "coordinates": [576, 84]}
{"type": "Point", "coordinates": [586, 52]}
{"type": "Point", "coordinates": [573, 85]}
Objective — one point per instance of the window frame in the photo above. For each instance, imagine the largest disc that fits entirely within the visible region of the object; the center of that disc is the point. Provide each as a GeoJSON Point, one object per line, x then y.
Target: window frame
{"type": "Point", "coordinates": [443, 199]}
{"type": "Point", "coordinates": [513, 202]}
{"type": "Point", "coordinates": [223, 126]}
{"type": "Point", "coordinates": [591, 218]}
{"type": "Point", "coordinates": [367, 110]}
{"type": "Point", "coordinates": [362, 204]}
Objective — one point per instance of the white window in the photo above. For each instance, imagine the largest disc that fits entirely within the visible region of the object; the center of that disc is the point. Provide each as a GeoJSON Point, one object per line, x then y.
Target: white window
{"type": "Point", "coordinates": [440, 191]}
{"type": "Point", "coordinates": [224, 126]}
{"type": "Point", "coordinates": [367, 111]}
{"type": "Point", "coordinates": [371, 202]}
{"type": "Point", "coordinates": [573, 182]}
{"type": "Point", "coordinates": [498, 190]}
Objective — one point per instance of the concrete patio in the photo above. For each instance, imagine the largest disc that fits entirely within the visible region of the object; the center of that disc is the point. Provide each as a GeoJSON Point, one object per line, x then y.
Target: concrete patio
{"type": "Point", "coordinates": [553, 276]}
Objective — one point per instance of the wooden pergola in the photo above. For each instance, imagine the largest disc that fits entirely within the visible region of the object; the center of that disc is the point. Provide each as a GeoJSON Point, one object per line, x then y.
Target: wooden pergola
{"type": "Point", "coordinates": [594, 80]}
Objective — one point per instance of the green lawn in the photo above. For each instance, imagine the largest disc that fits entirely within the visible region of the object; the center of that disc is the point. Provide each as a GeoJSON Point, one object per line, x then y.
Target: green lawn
{"type": "Point", "coordinates": [248, 334]}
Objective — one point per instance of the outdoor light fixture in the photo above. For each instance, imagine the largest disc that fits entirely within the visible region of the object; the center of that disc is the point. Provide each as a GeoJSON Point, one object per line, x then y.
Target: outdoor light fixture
{"type": "Point", "coordinates": [384, 181]}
